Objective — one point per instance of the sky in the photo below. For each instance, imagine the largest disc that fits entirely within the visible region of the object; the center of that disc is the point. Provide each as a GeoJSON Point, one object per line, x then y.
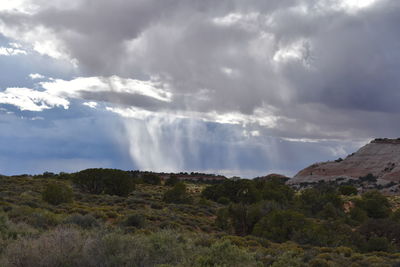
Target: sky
{"type": "Point", "coordinates": [239, 88]}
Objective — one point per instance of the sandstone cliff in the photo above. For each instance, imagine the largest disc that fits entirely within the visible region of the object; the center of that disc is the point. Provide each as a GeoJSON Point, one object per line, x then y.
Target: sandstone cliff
{"type": "Point", "coordinates": [381, 158]}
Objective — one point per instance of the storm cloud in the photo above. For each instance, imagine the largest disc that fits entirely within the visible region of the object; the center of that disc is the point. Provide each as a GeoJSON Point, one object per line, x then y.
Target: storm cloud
{"type": "Point", "coordinates": [315, 71]}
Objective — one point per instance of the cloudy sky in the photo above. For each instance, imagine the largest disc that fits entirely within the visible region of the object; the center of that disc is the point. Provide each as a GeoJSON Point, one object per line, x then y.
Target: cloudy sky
{"type": "Point", "coordinates": [224, 86]}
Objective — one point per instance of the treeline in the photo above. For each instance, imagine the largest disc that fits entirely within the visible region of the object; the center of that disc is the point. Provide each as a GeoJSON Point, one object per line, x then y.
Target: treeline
{"type": "Point", "coordinates": [315, 216]}
{"type": "Point", "coordinates": [138, 176]}
{"type": "Point", "coordinates": [112, 182]}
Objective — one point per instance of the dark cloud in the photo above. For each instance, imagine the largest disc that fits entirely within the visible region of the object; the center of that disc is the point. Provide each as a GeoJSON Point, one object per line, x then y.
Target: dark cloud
{"type": "Point", "coordinates": [126, 99]}
{"type": "Point", "coordinates": [320, 70]}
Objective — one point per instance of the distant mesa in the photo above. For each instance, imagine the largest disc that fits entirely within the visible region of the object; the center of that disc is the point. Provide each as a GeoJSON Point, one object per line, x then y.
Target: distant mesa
{"type": "Point", "coordinates": [193, 177]}
{"type": "Point", "coordinates": [380, 158]}
{"type": "Point", "coordinates": [273, 176]}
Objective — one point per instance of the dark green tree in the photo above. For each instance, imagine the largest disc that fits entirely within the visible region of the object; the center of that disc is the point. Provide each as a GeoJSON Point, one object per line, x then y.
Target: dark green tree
{"type": "Point", "coordinates": [281, 225]}
{"type": "Point", "coordinates": [178, 195]}
{"type": "Point", "coordinates": [151, 178]}
{"type": "Point", "coordinates": [172, 180]}
{"type": "Point", "coordinates": [276, 189]}
{"type": "Point", "coordinates": [104, 181]}
{"type": "Point", "coordinates": [375, 204]}
{"type": "Point", "coordinates": [313, 200]}
{"type": "Point", "coordinates": [348, 190]}
{"type": "Point", "coordinates": [56, 194]}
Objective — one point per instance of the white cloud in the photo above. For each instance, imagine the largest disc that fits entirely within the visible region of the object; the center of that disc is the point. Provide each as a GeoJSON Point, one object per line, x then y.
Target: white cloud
{"type": "Point", "coordinates": [246, 21]}
{"type": "Point", "coordinates": [295, 51]}
{"type": "Point", "coordinates": [74, 88]}
{"type": "Point", "coordinates": [229, 19]}
{"type": "Point", "coordinates": [35, 76]}
{"type": "Point", "coordinates": [261, 117]}
{"type": "Point", "coordinates": [57, 92]}
{"type": "Point", "coordinates": [43, 40]}
{"type": "Point", "coordinates": [357, 4]}
{"type": "Point", "coordinates": [31, 100]}
{"type": "Point", "coordinates": [90, 104]}
{"type": "Point", "coordinates": [18, 6]}
{"type": "Point", "coordinates": [11, 51]}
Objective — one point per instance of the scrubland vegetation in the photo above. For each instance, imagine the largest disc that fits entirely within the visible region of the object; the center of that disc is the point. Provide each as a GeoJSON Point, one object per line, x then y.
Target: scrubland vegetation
{"type": "Point", "coordinates": [101, 217]}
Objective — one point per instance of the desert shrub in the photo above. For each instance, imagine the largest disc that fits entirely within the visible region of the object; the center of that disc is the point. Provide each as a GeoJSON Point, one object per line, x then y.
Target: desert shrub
{"type": "Point", "coordinates": [204, 202]}
{"type": "Point", "coordinates": [62, 247]}
{"type": "Point", "coordinates": [378, 244]}
{"type": "Point", "coordinates": [116, 249]}
{"type": "Point", "coordinates": [167, 248]}
{"type": "Point", "coordinates": [112, 214]}
{"type": "Point", "coordinates": [3, 224]}
{"type": "Point", "coordinates": [384, 228]}
{"type": "Point", "coordinates": [240, 218]}
{"type": "Point", "coordinates": [348, 190]}
{"type": "Point", "coordinates": [173, 180]}
{"type": "Point", "coordinates": [223, 253]}
{"type": "Point", "coordinates": [56, 194]}
{"type": "Point", "coordinates": [329, 211]}
{"type": "Point", "coordinates": [37, 218]}
{"type": "Point", "coordinates": [170, 225]}
{"type": "Point", "coordinates": [289, 258]}
{"type": "Point", "coordinates": [85, 221]}
{"type": "Point", "coordinates": [107, 181]}
{"type": "Point", "coordinates": [275, 189]}
{"type": "Point", "coordinates": [223, 220]}
{"type": "Point", "coordinates": [134, 220]}
{"type": "Point", "coordinates": [44, 219]}
{"type": "Point", "coordinates": [320, 263]}
{"type": "Point", "coordinates": [243, 191]}
{"type": "Point", "coordinates": [223, 200]}
{"type": "Point", "coordinates": [396, 215]}
{"type": "Point", "coordinates": [9, 230]}
{"type": "Point", "coordinates": [178, 195]}
{"type": "Point", "coordinates": [313, 200]}
{"type": "Point", "coordinates": [368, 178]}
{"type": "Point", "coordinates": [151, 178]}
{"type": "Point", "coordinates": [375, 204]}
{"type": "Point", "coordinates": [156, 206]}
{"type": "Point", "coordinates": [327, 233]}
{"type": "Point", "coordinates": [358, 215]}
{"type": "Point", "coordinates": [280, 225]}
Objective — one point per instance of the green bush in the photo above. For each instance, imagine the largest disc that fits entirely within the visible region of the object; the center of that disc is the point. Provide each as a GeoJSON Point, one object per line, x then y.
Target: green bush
{"type": "Point", "coordinates": [134, 220]}
{"type": "Point", "coordinates": [173, 180]}
{"type": "Point", "coordinates": [244, 191]}
{"type": "Point", "coordinates": [223, 253]}
{"type": "Point", "coordinates": [85, 221]}
{"type": "Point", "coordinates": [56, 194]}
{"type": "Point", "coordinates": [348, 190]}
{"type": "Point", "coordinates": [281, 225]}
{"type": "Point", "coordinates": [62, 247]}
{"type": "Point", "coordinates": [375, 204]}
{"type": "Point", "coordinates": [107, 181]}
{"type": "Point", "coordinates": [223, 220]}
{"type": "Point", "coordinates": [358, 215]}
{"type": "Point", "coordinates": [289, 258]}
{"type": "Point", "coordinates": [177, 195]}
{"type": "Point", "coordinates": [223, 200]}
{"type": "Point", "coordinates": [151, 178]}
{"type": "Point", "coordinates": [378, 244]}
{"type": "Point", "coordinates": [313, 200]}
{"type": "Point", "coordinates": [275, 189]}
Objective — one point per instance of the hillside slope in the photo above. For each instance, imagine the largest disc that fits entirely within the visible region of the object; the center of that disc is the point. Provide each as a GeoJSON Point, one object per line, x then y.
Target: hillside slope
{"type": "Point", "coordinates": [380, 158]}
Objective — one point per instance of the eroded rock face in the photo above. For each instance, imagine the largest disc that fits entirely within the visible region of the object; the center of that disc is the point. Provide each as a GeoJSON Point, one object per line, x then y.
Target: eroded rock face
{"type": "Point", "coordinates": [380, 158]}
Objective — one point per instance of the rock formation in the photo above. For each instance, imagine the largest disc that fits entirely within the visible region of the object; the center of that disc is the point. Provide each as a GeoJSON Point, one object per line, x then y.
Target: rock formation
{"type": "Point", "coordinates": [381, 158]}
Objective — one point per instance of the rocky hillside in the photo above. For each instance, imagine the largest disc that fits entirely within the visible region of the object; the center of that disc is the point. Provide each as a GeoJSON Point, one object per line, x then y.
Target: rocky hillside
{"type": "Point", "coordinates": [381, 158]}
